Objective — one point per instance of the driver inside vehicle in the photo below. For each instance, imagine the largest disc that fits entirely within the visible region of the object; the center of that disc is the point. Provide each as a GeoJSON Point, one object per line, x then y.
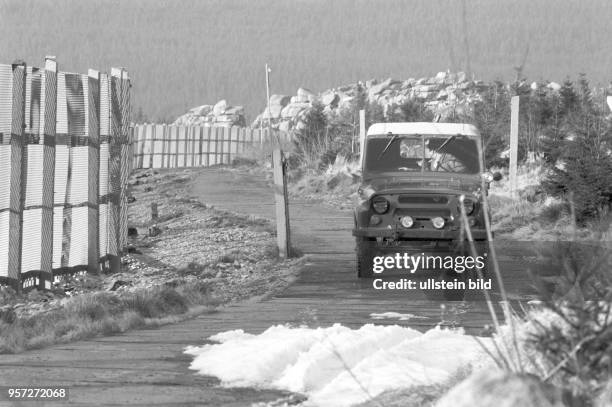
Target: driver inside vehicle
{"type": "Point", "coordinates": [436, 155]}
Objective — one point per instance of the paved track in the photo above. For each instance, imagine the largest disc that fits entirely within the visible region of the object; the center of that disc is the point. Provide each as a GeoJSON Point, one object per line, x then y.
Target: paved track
{"type": "Point", "coordinates": [147, 367]}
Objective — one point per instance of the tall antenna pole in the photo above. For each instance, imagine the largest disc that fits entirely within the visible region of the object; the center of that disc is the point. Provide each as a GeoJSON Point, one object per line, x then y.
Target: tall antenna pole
{"type": "Point", "coordinates": [268, 70]}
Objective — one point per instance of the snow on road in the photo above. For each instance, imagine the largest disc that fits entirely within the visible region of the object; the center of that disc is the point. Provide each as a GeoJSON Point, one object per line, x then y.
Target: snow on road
{"type": "Point", "coordinates": [395, 315]}
{"type": "Point", "coordinates": [336, 366]}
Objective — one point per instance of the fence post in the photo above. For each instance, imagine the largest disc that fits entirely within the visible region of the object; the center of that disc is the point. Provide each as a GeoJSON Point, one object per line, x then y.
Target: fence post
{"type": "Point", "coordinates": [141, 145]}
{"type": "Point", "coordinates": [93, 129]}
{"type": "Point", "coordinates": [514, 130]}
{"type": "Point", "coordinates": [362, 135]}
{"type": "Point", "coordinates": [165, 158]}
{"type": "Point", "coordinates": [115, 171]}
{"type": "Point", "coordinates": [48, 121]}
{"type": "Point", "coordinates": [18, 181]}
{"type": "Point", "coordinates": [283, 231]}
{"type": "Point", "coordinates": [125, 157]}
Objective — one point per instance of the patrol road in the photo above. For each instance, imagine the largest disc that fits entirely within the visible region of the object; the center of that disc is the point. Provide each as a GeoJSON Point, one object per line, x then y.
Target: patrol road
{"type": "Point", "coordinates": [148, 367]}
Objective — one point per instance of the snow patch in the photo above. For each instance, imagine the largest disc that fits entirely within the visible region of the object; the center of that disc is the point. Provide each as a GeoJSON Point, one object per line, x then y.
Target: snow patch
{"type": "Point", "coordinates": [336, 366]}
{"type": "Point", "coordinates": [395, 315]}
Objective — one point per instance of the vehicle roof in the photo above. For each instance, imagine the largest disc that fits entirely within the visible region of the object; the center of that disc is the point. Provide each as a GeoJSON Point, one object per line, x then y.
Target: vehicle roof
{"type": "Point", "coordinates": [425, 128]}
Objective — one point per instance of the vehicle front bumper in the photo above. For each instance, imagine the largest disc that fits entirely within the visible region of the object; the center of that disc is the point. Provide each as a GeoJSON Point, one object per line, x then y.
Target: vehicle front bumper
{"type": "Point", "coordinates": [418, 234]}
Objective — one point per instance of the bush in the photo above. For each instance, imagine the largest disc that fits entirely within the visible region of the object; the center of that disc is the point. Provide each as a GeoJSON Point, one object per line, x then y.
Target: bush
{"type": "Point", "coordinates": [576, 342]}
{"type": "Point", "coordinates": [312, 141]}
{"type": "Point", "coordinates": [578, 152]}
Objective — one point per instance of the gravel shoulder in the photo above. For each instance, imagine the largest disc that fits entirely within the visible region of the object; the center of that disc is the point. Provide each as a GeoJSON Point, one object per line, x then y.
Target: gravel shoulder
{"type": "Point", "coordinates": [196, 257]}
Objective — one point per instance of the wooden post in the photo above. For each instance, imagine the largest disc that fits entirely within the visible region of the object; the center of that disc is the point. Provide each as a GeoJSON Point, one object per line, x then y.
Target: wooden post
{"type": "Point", "coordinates": [200, 140]}
{"type": "Point", "coordinates": [47, 128]}
{"type": "Point", "coordinates": [154, 212]}
{"type": "Point", "coordinates": [93, 129]}
{"type": "Point", "coordinates": [125, 156]}
{"type": "Point", "coordinates": [283, 231]}
{"type": "Point", "coordinates": [362, 134]}
{"type": "Point", "coordinates": [514, 130]}
{"type": "Point", "coordinates": [164, 161]}
{"type": "Point", "coordinates": [141, 137]}
{"type": "Point", "coordinates": [18, 167]}
{"type": "Point", "coordinates": [206, 146]}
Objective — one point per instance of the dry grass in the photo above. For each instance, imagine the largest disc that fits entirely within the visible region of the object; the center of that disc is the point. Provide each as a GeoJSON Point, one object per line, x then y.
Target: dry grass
{"type": "Point", "coordinates": [534, 216]}
{"type": "Point", "coordinates": [105, 313]}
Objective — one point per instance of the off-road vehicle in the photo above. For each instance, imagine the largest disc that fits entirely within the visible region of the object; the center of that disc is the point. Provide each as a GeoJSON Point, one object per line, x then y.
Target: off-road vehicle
{"type": "Point", "coordinates": [413, 176]}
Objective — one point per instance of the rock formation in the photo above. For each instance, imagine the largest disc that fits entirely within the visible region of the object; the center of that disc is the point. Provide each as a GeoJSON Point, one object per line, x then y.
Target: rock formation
{"type": "Point", "coordinates": [220, 114]}
{"type": "Point", "coordinates": [445, 94]}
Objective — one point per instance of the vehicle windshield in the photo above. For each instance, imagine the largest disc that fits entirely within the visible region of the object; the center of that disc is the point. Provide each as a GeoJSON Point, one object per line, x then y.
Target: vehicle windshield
{"type": "Point", "coordinates": [416, 153]}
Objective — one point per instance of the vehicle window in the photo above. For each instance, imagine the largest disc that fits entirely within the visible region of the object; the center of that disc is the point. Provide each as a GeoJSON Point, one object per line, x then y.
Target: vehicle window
{"type": "Point", "coordinates": [459, 154]}
{"type": "Point", "coordinates": [414, 154]}
{"type": "Point", "coordinates": [396, 158]}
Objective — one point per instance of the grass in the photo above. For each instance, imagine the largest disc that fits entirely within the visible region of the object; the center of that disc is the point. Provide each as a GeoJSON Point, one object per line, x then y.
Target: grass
{"type": "Point", "coordinates": [317, 44]}
{"type": "Point", "coordinates": [104, 313]}
{"type": "Point", "coordinates": [532, 215]}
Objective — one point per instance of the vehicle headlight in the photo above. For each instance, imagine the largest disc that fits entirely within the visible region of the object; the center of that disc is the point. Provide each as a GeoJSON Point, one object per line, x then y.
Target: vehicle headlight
{"type": "Point", "coordinates": [469, 206]}
{"type": "Point", "coordinates": [407, 221]}
{"type": "Point", "coordinates": [487, 176]}
{"type": "Point", "coordinates": [438, 222]}
{"type": "Point", "coordinates": [380, 204]}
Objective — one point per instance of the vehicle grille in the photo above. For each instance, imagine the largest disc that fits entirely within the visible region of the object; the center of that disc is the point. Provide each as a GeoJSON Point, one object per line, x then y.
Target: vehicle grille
{"type": "Point", "coordinates": [423, 199]}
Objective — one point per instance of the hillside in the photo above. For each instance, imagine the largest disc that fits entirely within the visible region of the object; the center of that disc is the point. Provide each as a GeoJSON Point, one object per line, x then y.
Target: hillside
{"type": "Point", "coordinates": [188, 53]}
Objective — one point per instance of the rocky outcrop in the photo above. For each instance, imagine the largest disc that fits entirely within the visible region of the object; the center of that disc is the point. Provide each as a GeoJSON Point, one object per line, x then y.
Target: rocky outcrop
{"type": "Point", "coordinates": [220, 114]}
{"type": "Point", "coordinates": [444, 94]}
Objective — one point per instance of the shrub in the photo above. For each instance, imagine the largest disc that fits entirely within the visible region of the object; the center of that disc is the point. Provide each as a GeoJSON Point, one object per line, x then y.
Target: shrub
{"type": "Point", "coordinates": [578, 152]}
{"type": "Point", "coordinates": [576, 342]}
{"type": "Point", "coordinates": [312, 140]}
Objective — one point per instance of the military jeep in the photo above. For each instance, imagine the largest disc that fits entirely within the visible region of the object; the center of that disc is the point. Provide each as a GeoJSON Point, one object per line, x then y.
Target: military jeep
{"type": "Point", "coordinates": [415, 176]}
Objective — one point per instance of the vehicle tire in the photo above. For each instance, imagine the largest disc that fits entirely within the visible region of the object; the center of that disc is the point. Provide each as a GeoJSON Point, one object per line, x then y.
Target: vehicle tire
{"type": "Point", "coordinates": [364, 259]}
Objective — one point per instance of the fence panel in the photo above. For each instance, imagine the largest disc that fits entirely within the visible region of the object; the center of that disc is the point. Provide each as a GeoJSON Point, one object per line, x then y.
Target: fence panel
{"type": "Point", "coordinates": [58, 134]}
{"type": "Point", "coordinates": [172, 146]}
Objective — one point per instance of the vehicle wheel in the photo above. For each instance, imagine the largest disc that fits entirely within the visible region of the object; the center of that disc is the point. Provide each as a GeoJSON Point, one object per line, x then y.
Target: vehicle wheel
{"type": "Point", "coordinates": [364, 259]}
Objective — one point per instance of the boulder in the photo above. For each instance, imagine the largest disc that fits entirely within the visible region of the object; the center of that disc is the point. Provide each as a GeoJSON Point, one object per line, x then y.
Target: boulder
{"type": "Point", "coordinates": [375, 90]}
{"type": "Point", "coordinates": [220, 107]}
{"type": "Point", "coordinates": [293, 109]}
{"type": "Point", "coordinates": [461, 77]}
{"type": "Point", "coordinates": [502, 389]}
{"type": "Point", "coordinates": [330, 99]}
{"type": "Point", "coordinates": [305, 96]}
{"type": "Point", "coordinates": [235, 110]}
{"type": "Point", "coordinates": [441, 77]}
{"type": "Point", "coordinates": [277, 102]}
{"type": "Point", "coordinates": [220, 113]}
{"type": "Point", "coordinates": [202, 110]}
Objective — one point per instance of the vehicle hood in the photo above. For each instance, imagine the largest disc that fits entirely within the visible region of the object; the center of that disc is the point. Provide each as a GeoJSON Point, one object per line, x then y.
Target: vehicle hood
{"type": "Point", "coordinates": [390, 183]}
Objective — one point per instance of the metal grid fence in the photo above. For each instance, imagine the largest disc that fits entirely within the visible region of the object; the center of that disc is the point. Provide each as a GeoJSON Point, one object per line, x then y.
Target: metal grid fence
{"type": "Point", "coordinates": [65, 156]}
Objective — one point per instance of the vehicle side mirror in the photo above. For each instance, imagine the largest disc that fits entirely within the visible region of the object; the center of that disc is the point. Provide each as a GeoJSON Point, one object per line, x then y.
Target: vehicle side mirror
{"type": "Point", "coordinates": [497, 176]}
